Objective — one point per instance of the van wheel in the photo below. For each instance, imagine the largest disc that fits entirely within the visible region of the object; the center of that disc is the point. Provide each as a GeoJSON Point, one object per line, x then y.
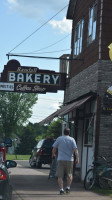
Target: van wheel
{"type": "Point", "coordinates": [38, 164]}
{"type": "Point", "coordinates": [31, 162]}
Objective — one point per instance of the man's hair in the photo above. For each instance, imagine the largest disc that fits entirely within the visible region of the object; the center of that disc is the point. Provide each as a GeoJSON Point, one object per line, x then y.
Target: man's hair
{"type": "Point", "coordinates": [66, 131]}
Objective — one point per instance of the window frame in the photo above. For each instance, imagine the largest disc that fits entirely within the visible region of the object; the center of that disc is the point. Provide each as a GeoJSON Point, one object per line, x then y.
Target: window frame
{"type": "Point", "coordinates": [88, 131]}
{"type": "Point", "coordinates": [92, 23]}
{"type": "Point", "coordinates": [78, 37]}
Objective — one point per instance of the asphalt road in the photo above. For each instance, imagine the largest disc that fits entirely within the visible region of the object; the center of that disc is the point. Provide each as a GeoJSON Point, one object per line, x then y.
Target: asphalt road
{"type": "Point", "coordinates": [32, 184]}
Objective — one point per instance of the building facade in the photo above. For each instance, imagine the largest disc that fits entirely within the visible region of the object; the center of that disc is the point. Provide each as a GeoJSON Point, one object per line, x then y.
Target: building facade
{"type": "Point", "coordinates": [87, 109]}
{"type": "Point", "coordinates": [90, 75]}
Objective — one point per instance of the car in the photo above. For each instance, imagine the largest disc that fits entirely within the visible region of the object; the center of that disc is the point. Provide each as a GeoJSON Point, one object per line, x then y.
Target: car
{"type": "Point", "coordinates": [5, 185]}
{"type": "Point", "coordinates": [42, 153]}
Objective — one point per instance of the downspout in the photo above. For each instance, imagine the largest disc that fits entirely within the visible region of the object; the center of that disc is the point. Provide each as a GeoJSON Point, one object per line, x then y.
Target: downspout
{"type": "Point", "coordinates": [100, 31]}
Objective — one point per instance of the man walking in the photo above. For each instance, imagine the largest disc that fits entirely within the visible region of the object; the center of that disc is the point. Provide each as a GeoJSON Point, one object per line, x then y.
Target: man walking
{"type": "Point", "coordinates": [66, 147]}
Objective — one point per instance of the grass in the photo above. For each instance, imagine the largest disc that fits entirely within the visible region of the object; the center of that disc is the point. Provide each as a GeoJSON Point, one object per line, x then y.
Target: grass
{"type": "Point", "coordinates": [103, 191]}
{"type": "Point", "coordinates": [17, 157]}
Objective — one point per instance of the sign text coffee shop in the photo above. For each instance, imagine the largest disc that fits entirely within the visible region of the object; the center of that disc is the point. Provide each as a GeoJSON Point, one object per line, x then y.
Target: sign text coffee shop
{"type": "Point", "coordinates": [30, 79]}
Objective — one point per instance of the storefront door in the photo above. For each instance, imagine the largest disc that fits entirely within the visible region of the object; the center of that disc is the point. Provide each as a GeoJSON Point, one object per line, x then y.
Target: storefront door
{"type": "Point", "coordinates": [88, 145]}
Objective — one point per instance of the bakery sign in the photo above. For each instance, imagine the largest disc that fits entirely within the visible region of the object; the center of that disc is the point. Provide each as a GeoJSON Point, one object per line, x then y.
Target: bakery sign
{"type": "Point", "coordinates": [30, 79]}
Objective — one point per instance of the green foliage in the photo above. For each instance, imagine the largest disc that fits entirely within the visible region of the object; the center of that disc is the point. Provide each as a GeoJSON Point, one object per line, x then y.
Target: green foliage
{"type": "Point", "coordinates": [26, 145]}
{"type": "Point", "coordinates": [55, 129]}
{"type": "Point", "coordinates": [15, 109]}
{"type": "Point", "coordinates": [29, 137]}
{"type": "Point", "coordinates": [17, 157]}
{"type": "Point", "coordinates": [106, 192]}
{"type": "Point", "coordinates": [34, 132]}
{"type": "Point", "coordinates": [39, 137]}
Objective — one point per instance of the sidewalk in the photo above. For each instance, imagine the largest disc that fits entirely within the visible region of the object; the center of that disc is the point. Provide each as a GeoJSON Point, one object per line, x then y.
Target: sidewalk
{"type": "Point", "coordinates": [30, 184]}
{"type": "Point", "coordinates": [48, 189]}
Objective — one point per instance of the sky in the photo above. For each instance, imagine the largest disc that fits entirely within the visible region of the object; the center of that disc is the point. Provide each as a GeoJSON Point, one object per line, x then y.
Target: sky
{"type": "Point", "coordinates": [37, 28]}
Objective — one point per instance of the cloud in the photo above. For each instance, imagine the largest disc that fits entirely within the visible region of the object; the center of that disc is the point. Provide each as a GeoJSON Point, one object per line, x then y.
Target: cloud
{"type": "Point", "coordinates": [25, 8]}
{"type": "Point", "coordinates": [54, 106]}
{"type": "Point", "coordinates": [35, 8]}
{"type": "Point", "coordinates": [62, 25]}
{"type": "Point", "coordinates": [38, 10]}
{"type": "Point", "coordinates": [42, 11]}
{"type": "Point", "coordinates": [44, 108]}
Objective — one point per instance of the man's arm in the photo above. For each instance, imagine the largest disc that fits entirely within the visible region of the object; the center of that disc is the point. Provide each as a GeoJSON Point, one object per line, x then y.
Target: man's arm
{"type": "Point", "coordinates": [77, 156]}
{"type": "Point", "coordinates": [54, 152]}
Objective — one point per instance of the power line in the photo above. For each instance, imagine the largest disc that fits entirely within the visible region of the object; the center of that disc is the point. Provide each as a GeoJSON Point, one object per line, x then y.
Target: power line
{"type": "Point", "coordinates": [57, 100]}
{"type": "Point", "coordinates": [49, 45]}
{"type": "Point", "coordinates": [45, 52]}
{"type": "Point", "coordinates": [53, 51]}
{"type": "Point", "coordinates": [39, 116]}
{"type": "Point", "coordinates": [38, 28]}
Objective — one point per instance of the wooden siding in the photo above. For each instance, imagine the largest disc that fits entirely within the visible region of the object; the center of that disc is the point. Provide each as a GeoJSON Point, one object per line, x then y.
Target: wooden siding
{"type": "Point", "coordinates": [71, 9]}
{"type": "Point", "coordinates": [90, 53]}
{"type": "Point", "coordinates": [106, 28]}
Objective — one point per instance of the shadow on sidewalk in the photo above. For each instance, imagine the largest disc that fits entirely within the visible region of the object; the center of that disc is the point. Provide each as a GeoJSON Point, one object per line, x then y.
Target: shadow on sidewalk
{"type": "Point", "coordinates": [39, 183]}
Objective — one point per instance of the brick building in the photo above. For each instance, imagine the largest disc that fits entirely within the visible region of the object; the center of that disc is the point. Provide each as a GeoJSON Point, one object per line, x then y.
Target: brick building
{"type": "Point", "coordinates": [91, 75]}
{"type": "Point", "coordinates": [88, 94]}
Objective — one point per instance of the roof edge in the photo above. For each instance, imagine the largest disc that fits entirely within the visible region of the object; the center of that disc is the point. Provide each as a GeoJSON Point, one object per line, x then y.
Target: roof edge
{"type": "Point", "coordinates": [71, 9]}
{"type": "Point", "coordinates": [90, 93]}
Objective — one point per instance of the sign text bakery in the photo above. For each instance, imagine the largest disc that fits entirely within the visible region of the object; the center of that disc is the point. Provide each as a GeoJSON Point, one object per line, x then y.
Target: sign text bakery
{"type": "Point", "coordinates": [32, 79]}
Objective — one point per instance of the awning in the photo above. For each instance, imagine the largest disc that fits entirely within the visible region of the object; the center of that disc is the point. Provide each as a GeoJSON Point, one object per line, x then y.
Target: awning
{"type": "Point", "coordinates": [64, 110]}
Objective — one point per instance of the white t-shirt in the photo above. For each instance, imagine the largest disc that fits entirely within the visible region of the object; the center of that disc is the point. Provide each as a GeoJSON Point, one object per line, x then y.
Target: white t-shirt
{"type": "Point", "coordinates": [65, 145]}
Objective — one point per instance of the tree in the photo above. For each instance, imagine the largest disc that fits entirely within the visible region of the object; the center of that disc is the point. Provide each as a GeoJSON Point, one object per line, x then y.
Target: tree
{"type": "Point", "coordinates": [31, 133]}
{"type": "Point", "coordinates": [55, 129]}
{"type": "Point", "coordinates": [15, 109]}
{"type": "Point", "coordinates": [28, 138]}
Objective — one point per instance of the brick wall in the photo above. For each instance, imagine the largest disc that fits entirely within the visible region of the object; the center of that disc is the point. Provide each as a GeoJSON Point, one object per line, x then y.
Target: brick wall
{"type": "Point", "coordinates": [95, 78]}
{"type": "Point", "coordinates": [82, 83]}
{"type": "Point", "coordinates": [105, 134]}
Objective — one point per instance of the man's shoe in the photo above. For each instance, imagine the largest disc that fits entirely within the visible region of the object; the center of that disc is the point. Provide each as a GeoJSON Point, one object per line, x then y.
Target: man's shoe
{"type": "Point", "coordinates": [61, 192]}
{"type": "Point", "coordinates": [67, 190]}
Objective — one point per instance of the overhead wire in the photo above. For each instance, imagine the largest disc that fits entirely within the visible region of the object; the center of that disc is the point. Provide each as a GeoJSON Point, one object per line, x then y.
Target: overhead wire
{"type": "Point", "coordinates": [37, 29]}
{"type": "Point", "coordinates": [49, 99]}
{"type": "Point", "coordinates": [42, 115]}
{"type": "Point", "coordinates": [44, 52]}
{"type": "Point", "coordinates": [32, 52]}
{"type": "Point", "coordinates": [52, 51]}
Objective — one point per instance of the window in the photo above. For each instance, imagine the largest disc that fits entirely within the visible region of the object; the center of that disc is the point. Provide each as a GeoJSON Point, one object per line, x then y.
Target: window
{"type": "Point", "coordinates": [72, 128]}
{"type": "Point", "coordinates": [78, 38]}
{"type": "Point", "coordinates": [89, 123]}
{"type": "Point", "coordinates": [40, 143]}
{"type": "Point", "coordinates": [92, 23]}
